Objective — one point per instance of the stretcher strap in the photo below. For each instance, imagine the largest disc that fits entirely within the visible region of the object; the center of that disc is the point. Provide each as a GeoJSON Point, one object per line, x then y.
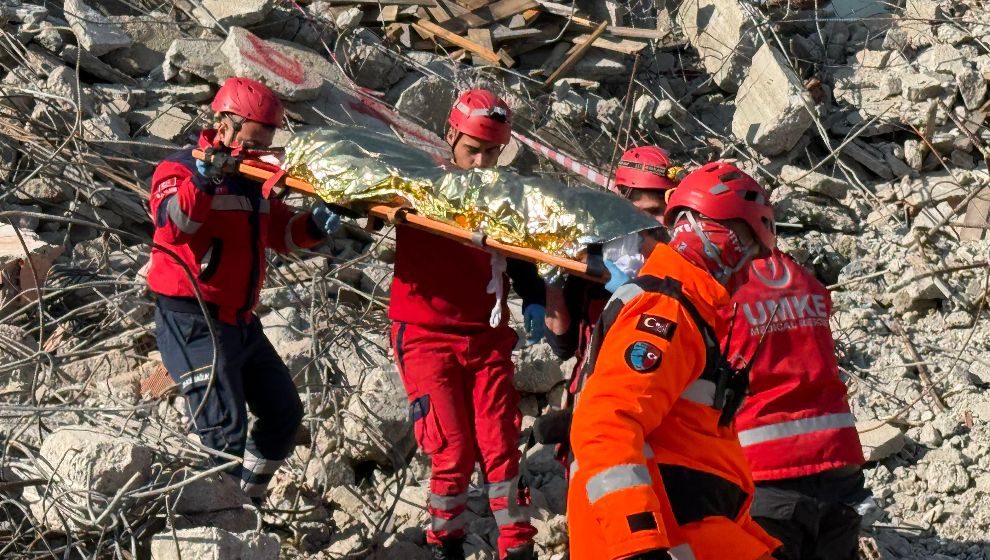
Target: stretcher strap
{"type": "Point", "coordinates": [495, 286]}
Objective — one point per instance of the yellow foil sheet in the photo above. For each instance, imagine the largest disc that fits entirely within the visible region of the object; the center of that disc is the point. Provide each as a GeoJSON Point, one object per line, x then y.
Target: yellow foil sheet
{"type": "Point", "coordinates": [347, 164]}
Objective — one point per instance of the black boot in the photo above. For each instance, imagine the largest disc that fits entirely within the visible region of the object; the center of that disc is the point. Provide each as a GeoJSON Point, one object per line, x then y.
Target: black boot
{"type": "Point", "coordinates": [448, 549]}
{"type": "Point", "coordinates": [524, 552]}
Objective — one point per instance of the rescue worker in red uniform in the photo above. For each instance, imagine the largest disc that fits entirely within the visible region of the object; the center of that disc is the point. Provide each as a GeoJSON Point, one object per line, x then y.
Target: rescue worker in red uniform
{"type": "Point", "coordinates": [644, 176]}
{"type": "Point", "coordinates": [453, 348]}
{"type": "Point", "coordinates": [795, 426]}
{"type": "Point", "coordinates": [658, 470]}
{"type": "Point", "coordinates": [211, 232]}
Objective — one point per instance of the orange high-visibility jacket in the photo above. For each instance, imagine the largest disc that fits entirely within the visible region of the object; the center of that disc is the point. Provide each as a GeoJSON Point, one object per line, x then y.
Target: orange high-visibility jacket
{"type": "Point", "coordinates": [652, 467]}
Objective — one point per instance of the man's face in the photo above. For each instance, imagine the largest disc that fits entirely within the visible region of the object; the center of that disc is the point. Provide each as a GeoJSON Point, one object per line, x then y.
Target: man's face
{"type": "Point", "coordinates": [652, 202]}
{"type": "Point", "coordinates": [468, 152]}
{"type": "Point", "coordinates": [251, 135]}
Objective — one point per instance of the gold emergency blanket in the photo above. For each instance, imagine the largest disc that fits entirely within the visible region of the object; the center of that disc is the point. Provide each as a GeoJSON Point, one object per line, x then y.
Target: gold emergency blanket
{"type": "Point", "coordinates": [347, 164]}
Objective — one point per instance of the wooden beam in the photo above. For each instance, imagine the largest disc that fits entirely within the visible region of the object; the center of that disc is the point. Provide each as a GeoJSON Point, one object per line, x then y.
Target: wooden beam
{"type": "Point", "coordinates": [575, 56]}
{"type": "Point", "coordinates": [428, 28]}
{"type": "Point", "coordinates": [489, 14]}
{"type": "Point", "coordinates": [483, 38]}
{"type": "Point", "coordinates": [501, 33]}
{"type": "Point", "coordinates": [623, 46]}
{"type": "Point", "coordinates": [389, 13]}
{"type": "Point", "coordinates": [471, 4]}
{"type": "Point", "coordinates": [399, 33]}
{"type": "Point", "coordinates": [557, 56]}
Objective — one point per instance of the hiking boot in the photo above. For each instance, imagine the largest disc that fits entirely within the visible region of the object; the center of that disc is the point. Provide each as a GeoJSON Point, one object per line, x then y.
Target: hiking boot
{"type": "Point", "coordinates": [448, 549]}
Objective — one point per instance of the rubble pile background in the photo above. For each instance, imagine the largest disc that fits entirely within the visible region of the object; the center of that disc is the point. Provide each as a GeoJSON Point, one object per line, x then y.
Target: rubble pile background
{"type": "Point", "coordinates": [868, 125]}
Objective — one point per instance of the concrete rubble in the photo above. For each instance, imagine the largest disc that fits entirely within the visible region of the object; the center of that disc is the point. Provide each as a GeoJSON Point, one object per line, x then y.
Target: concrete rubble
{"type": "Point", "coordinates": [870, 131]}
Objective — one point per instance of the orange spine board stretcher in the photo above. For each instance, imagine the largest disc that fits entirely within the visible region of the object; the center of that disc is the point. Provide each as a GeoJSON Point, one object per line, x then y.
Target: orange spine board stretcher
{"type": "Point", "coordinates": [403, 215]}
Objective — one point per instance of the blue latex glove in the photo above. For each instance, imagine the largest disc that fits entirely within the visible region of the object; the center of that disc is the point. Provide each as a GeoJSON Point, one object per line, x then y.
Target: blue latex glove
{"type": "Point", "coordinates": [201, 167]}
{"type": "Point", "coordinates": [534, 316]}
{"type": "Point", "coordinates": [326, 219]}
{"type": "Point", "coordinates": [618, 277]}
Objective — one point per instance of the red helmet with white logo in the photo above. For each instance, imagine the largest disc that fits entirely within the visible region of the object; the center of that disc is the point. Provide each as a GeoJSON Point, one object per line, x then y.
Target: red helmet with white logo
{"type": "Point", "coordinates": [724, 192]}
{"type": "Point", "coordinates": [249, 99]}
{"type": "Point", "coordinates": [482, 114]}
{"type": "Point", "coordinates": [647, 167]}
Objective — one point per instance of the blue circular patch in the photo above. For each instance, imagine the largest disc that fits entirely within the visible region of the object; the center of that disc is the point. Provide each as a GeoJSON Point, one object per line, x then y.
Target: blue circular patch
{"type": "Point", "coordinates": [643, 357]}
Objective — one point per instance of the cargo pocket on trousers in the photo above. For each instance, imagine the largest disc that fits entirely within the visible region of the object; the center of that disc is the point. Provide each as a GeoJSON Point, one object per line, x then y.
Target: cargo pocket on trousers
{"type": "Point", "coordinates": [426, 426]}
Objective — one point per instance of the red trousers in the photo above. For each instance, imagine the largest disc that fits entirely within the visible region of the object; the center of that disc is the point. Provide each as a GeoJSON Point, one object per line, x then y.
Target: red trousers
{"type": "Point", "coordinates": [466, 411]}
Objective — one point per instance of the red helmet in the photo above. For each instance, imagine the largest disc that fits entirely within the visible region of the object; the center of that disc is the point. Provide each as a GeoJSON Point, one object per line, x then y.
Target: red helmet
{"type": "Point", "coordinates": [482, 114]}
{"type": "Point", "coordinates": [723, 192]}
{"type": "Point", "coordinates": [249, 99]}
{"type": "Point", "coordinates": [647, 167]}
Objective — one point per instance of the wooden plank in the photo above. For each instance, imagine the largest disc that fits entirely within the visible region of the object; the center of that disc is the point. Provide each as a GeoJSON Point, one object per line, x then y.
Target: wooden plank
{"type": "Point", "coordinates": [389, 13]}
{"type": "Point", "coordinates": [489, 14]}
{"type": "Point", "coordinates": [517, 22]}
{"type": "Point", "coordinates": [380, 2]}
{"type": "Point", "coordinates": [399, 33]}
{"type": "Point", "coordinates": [557, 56]}
{"type": "Point", "coordinates": [483, 38]}
{"type": "Point", "coordinates": [623, 46]}
{"type": "Point", "coordinates": [472, 4]}
{"type": "Point", "coordinates": [427, 27]}
{"type": "Point", "coordinates": [575, 56]}
{"type": "Point", "coordinates": [501, 33]}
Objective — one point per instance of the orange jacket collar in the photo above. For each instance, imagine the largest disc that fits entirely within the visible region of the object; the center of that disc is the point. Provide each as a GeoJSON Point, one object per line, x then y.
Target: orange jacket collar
{"type": "Point", "coordinates": [698, 284]}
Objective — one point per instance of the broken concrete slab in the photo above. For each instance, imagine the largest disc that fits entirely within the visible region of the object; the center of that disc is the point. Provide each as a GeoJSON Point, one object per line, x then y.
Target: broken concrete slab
{"type": "Point", "coordinates": [19, 345]}
{"type": "Point", "coordinates": [920, 87]}
{"type": "Point", "coordinates": [972, 88]}
{"type": "Point", "coordinates": [212, 543]}
{"type": "Point", "coordinates": [106, 127]}
{"type": "Point", "coordinates": [162, 120]}
{"type": "Point", "coordinates": [724, 36]}
{"type": "Point", "coordinates": [94, 31]}
{"type": "Point", "coordinates": [152, 34]}
{"type": "Point", "coordinates": [294, 73]}
{"type": "Point", "coordinates": [429, 99]}
{"type": "Point", "coordinates": [813, 181]}
{"type": "Point", "coordinates": [197, 57]}
{"type": "Point", "coordinates": [879, 439]}
{"type": "Point", "coordinates": [367, 61]}
{"type": "Point", "coordinates": [538, 369]}
{"type": "Point", "coordinates": [378, 406]}
{"type": "Point", "coordinates": [241, 13]}
{"type": "Point", "coordinates": [95, 66]}
{"type": "Point", "coordinates": [86, 458]}
{"type": "Point", "coordinates": [772, 107]}
{"type": "Point", "coordinates": [216, 501]}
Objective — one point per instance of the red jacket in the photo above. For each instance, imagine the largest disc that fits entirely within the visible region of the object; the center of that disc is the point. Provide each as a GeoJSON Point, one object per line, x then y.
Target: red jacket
{"type": "Point", "coordinates": [796, 420]}
{"type": "Point", "coordinates": [439, 282]}
{"type": "Point", "coordinates": [220, 232]}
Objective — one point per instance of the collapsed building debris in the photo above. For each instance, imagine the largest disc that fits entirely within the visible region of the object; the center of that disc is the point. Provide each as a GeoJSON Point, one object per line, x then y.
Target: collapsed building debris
{"type": "Point", "coordinates": [870, 130]}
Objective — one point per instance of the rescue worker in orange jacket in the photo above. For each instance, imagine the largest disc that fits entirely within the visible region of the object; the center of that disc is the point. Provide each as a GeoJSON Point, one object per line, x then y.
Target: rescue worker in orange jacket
{"type": "Point", "coordinates": [658, 470]}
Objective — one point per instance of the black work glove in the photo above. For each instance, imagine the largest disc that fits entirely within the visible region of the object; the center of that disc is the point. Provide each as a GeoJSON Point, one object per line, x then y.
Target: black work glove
{"type": "Point", "coordinates": [655, 554]}
{"type": "Point", "coordinates": [217, 163]}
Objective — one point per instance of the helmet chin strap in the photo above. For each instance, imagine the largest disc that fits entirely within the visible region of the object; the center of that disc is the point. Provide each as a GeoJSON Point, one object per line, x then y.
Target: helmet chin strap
{"type": "Point", "coordinates": [724, 272]}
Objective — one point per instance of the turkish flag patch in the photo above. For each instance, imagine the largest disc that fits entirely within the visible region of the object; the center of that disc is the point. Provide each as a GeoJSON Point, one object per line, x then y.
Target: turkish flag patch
{"type": "Point", "coordinates": [659, 326]}
{"type": "Point", "coordinates": [643, 357]}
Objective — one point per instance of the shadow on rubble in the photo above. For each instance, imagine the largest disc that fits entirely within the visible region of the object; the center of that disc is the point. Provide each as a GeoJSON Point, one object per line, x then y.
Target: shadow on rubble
{"type": "Point", "coordinates": [886, 542]}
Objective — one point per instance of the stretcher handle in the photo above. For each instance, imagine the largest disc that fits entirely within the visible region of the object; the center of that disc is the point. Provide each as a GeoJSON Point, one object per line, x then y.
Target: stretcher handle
{"type": "Point", "coordinates": [404, 215]}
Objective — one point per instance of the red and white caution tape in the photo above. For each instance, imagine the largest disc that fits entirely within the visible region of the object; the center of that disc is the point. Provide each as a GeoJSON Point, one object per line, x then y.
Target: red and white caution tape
{"type": "Point", "coordinates": [567, 162]}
